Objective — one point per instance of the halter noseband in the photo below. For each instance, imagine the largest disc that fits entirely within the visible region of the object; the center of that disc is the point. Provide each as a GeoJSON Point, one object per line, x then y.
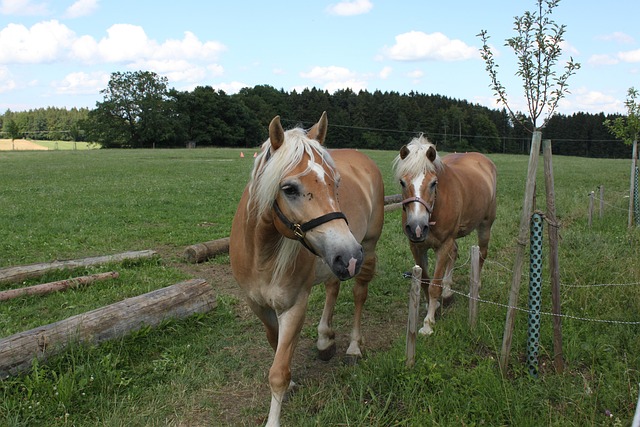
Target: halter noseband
{"type": "Point", "coordinates": [418, 199]}
{"type": "Point", "coordinates": [300, 230]}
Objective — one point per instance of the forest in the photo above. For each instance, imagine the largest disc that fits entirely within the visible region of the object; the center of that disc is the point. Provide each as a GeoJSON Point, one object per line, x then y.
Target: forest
{"type": "Point", "coordinates": [139, 110]}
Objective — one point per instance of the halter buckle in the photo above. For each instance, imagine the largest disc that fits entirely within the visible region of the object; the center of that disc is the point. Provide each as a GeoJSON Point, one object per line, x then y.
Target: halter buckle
{"type": "Point", "coordinates": [297, 231]}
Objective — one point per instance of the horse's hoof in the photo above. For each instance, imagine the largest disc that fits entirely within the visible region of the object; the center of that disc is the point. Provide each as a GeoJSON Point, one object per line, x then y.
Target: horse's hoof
{"type": "Point", "coordinates": [328, 353]}
{"type": "Point", "coordinates": [351, 359]}
{"type": "Point", "coordinates": [425, 331]}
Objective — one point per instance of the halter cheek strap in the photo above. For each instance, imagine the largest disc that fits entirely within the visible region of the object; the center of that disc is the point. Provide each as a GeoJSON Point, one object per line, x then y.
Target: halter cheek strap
{"type": "Point", "coordinates": [300, 230]}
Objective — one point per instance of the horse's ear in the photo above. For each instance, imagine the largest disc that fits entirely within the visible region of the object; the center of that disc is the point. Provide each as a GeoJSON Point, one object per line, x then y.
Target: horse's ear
{"type": "Point", "coordinates": [276, 133]}
{"type": "Point", "coordinates": [431, 153]}
{"type": "Point", "coordinates": [319, 130]}
{"type": "Point", "coordinates": [404, 152]}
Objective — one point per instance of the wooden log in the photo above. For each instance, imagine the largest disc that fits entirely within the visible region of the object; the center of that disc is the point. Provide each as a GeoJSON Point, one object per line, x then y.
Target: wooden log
{"type": "Point", "coordinates": [412, 321]}
{"type": "Point", "coordinates": [394, 198]}
{"type": "Point", "coordinates": [202, 251]}
{"type": "Point", "coordinates": [183, 299]}
{"type": "Point", "coordinates": [20, 273]}
{"type": "Point", "coordinates": [60, 285]}
{"type": "Point", "coordinates": [392, 207]}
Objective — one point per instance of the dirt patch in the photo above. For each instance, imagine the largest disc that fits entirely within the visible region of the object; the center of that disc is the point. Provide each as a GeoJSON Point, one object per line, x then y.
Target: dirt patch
{"type": "Point", "coordinates": [19, 144]}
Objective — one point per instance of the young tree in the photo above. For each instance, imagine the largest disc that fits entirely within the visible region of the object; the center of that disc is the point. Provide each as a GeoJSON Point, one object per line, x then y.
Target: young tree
{"type": "Point", "coordinates": [537, 47]}
{"type": "Point", "coordinates": [627, 128]}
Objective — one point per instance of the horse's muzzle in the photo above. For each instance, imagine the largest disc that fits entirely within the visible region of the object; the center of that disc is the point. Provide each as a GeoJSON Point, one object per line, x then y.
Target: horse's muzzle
{"type": "Point", "coordinates": [345, 266]}
{"type": "Point", "coordinates": [417, 231]}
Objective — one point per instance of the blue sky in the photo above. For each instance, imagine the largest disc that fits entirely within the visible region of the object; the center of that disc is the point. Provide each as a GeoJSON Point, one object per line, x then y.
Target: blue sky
{"type": "Point", "coordinates": [61, 53]}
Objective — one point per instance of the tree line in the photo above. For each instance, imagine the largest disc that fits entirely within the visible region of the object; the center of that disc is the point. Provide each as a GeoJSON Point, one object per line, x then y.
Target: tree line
{"type": "Point", "coordinates": [139, 110]}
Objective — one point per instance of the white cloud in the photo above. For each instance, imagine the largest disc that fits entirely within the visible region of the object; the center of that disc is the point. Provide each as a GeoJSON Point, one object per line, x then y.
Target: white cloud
{"type": "Point", "coordinates": [230, 88]}
{"type": "Point", "coordinates": [602, 60]}
{"type": "Point", "coordinates": [592, 101]}
{"type": "Point", "coordinates": [350, 8]}
{"type": "Point", "coordinates": [81, 83]}
{"type": "Point", "coordinates": [630, 56]}
{"type": "Point", "coordinates": [324, 74]}
{"type": "Point", "coordinates": [43, 42]}
{"type": "Point", "coordinates": [416, 74]}
{"type": "Point", "coordinates": [22, 7]}
{"type": "Point", "coordinates": [417, 46]}
{"type": "Point", "coordinates": [385, 72]}
{"type": "Point", "coordinates": [81, 8]}
{"type": "Point", "coordinates": [6, 81]}
{"type": "Point", "coordinates": [334, 78]}
{"type": "Point", "coordinates": [617, 37]}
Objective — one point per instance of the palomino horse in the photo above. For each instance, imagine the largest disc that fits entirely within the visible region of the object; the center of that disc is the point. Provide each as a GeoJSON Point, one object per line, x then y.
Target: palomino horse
{"type": "Point", "coordinates": [308, 215]}
{"type": "Point", "coordinates": [465, 186]}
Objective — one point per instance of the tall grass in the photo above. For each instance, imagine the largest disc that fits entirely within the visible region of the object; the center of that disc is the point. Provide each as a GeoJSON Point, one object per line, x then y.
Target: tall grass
{"type": "Point", "coordinates": [211, 369]}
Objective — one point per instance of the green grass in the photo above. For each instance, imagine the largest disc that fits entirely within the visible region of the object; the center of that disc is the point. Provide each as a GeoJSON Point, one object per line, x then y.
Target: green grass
{"type": "Point", "coordinates": [212, 369]}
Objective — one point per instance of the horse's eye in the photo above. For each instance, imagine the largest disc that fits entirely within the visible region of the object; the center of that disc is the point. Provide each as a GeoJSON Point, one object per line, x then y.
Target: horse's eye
{"type": "Point", "coordinates": [290, 190]}
{"type": "Point", "coordinates": [402, 183]}
{"type": "Point", "coordinates": [433, 185]}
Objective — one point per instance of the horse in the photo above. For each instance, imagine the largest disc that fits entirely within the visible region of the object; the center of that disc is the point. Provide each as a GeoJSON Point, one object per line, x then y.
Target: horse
{"type": "Point", "coordinates": [443, 199]}
{"type": "Point", "coordinates": [308, 215]}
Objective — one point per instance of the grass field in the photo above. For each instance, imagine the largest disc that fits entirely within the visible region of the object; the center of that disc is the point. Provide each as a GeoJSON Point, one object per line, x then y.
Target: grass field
{"type": "Point", "coordinates": [212, 369]}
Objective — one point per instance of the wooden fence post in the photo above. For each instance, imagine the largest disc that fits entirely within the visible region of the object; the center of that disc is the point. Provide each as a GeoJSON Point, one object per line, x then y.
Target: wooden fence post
{"type": "Point", "coordinates": [554, 268]}
{"type": "Point", "coordinates": [474, 286]}
{"type": "Point", "coordinates": [634, 159]}
{"type": "Point", "coordinates": [601, 201]}
{"type": "Point", "coordinates": [591, 196]}
{"type": "Point", "coordinates": [527, 209]}
{"type": "Point", "coordinates": [414, 309]}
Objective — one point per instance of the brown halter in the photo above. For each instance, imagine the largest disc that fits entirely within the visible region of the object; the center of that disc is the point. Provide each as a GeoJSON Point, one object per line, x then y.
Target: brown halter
{"type": "Point", "coordinates": [300, 230]}
{"type": "Point", "coordinates": [418, 199]}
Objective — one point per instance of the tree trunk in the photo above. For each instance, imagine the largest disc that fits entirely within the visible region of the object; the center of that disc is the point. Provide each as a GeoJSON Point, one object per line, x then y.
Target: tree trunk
{"type": "Point", "coordinates": [183, 299]}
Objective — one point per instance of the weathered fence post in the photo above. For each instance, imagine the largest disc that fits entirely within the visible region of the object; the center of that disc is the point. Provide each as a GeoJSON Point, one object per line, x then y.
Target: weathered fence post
{"type": "Point", "coordinates": [535, 290]}
{"type": "Point", "coordinates": [601, 201]}
{"type": "Point", "coordinates": [527, 209]}
{"type": "Point", "coordinates": [636, 202]}
{"type": "Point", "coordinates": [591, 196]}
{"type": "Point", "coordinates": [414, 310]}
{"type": "Point", "coordinates": [474, 286]}
{"type": "Point", "coordinates": [554, 268]}
{"type": "Point", "coordinates": [632, 186]}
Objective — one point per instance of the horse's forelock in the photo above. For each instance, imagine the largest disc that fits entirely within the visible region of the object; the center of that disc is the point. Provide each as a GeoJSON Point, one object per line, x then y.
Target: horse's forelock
{"type": "Point", "coordinates": [417, 162]}
{"type": "Point", "coordinates": [269, 170]}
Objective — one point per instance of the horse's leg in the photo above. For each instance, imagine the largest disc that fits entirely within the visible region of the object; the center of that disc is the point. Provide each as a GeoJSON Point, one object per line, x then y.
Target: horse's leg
{"type": "Point", "coordinates": [290, 323]}
{"type": "Point", "coordinates": [360, 292]}
{"type": "Point", "coordinates": [270, 320]}
{"type": "Point", "coordinates": [326, 336]}
{"type": "Point", "coordinates": [447, 281]}
{"type": "Point", "coordinates": [484, 234]}
{"type": "Point", "coordinates": [421, 258]}
{"type": "Point", "coordinates": [443, 255]}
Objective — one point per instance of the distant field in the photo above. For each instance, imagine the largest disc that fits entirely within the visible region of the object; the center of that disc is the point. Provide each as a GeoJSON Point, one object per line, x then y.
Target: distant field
{"type": "Point", "coordinates": [23, 144]}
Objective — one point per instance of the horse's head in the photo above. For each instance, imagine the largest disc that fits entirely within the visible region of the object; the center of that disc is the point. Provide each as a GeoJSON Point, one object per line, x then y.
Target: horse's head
{"type": "Point", "coordinates": [416, 168]}
{"type": "Point", "coordinates": [298, 183]}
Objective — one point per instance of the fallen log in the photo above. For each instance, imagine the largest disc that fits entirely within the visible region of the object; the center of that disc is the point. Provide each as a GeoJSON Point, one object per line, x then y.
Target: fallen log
{"type": "Point", "coordinates": [60, 285]}
{"type": "Point", "coordinates": [394, 198]}
{"type": "Point", "coordinates": [183, 299]}
{"type": "Point", "coordinates": [23, 272]}
{"type": "Point", "coordinates": [203, 251]}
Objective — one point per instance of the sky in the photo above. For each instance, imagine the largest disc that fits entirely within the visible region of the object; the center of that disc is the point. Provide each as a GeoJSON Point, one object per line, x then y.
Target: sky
{"type": "Point", "coordinates": [61, 53]}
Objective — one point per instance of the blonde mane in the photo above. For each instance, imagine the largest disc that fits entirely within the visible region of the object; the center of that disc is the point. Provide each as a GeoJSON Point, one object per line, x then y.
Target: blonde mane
{"type": "Point", "coordinates": [269, 169]}
{"type": "Point", "coordinates": [416, 162]}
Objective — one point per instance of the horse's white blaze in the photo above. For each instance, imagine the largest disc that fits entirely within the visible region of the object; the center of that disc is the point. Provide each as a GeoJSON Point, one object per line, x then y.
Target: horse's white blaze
{"type": "Point", "coordinates": [319, 171]}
